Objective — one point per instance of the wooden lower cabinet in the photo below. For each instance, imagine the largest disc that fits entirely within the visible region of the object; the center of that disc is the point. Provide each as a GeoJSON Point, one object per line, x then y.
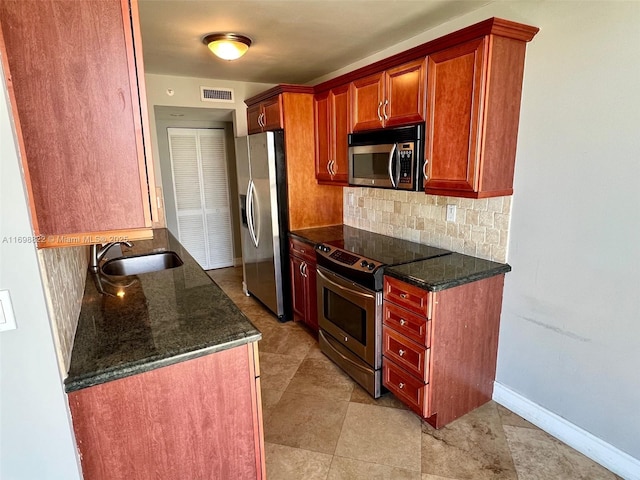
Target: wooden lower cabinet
{"type": "Point", "coordinates": [198, 419]}
{"type": "Point", "coordinates": [303, 283]}
{"type": "Point", "coordinates": [440, 348]}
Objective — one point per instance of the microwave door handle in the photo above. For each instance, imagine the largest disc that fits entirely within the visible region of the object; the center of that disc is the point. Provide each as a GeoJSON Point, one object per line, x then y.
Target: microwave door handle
{"type": "Point", "coordinates": [390, 167]}
{"type": "Point", "coordinates": [398, 167]}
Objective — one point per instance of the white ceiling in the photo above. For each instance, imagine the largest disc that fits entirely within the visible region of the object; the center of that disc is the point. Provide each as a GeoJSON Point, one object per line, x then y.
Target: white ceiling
{"type": "Point", "coordinates": [293, 41]}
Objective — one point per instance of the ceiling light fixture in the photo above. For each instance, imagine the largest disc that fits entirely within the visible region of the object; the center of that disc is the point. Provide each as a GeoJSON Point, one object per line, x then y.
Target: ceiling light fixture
{"type": "Point", "coordinates": [228, 46]}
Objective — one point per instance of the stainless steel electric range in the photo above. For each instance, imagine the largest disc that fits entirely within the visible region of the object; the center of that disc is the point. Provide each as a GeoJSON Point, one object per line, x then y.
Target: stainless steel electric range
{"type": "Point", "coordinates": [349, 285]}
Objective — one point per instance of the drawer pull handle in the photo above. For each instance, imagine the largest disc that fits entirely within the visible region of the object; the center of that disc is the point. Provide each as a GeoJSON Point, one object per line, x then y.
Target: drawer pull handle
{"type": "Point", "coordinates": [403, 295]}
{"type": "Point", "coordinates": [346, 339]}
{"type": "Point", "coordinates": [401, 385]}
{"type": "Point", "coordinates": [403, 322]}
{"type": "Point", "coordinates": [401, 352]}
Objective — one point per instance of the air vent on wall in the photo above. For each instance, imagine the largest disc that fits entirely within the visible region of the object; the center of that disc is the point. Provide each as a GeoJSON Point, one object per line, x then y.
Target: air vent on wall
{"type": "Point", "coordinates": [210, 94]}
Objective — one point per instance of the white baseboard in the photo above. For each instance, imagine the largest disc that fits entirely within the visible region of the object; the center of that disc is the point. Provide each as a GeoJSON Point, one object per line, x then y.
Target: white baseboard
{"type": "Point", "coordinates": [593, 447]}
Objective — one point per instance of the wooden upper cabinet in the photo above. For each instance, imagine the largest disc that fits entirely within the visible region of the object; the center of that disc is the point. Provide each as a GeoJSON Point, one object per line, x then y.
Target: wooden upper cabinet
{"type": "Point", "coordinates": [332, 126]}
{"type": "Point", "coordinates": [455, 85]}
{"type": "Point", "coordinates": [474, 92]}
{"type": "Point", "coordinates": [466, 86]}
{"type": "Point", "coordinates": [405, 94]}
{"type": "Point", "coordinates": [391, 98]}
{"type": "Point", "coordinates": [367, 98]}
{"type": "Point", "coordinates": [80, 117]}
{"type": "Point", "coordinates": [272, 114]}
{"type": "Point", "coordinates": [265, 116]}
{"type": "Point", "coordinates": [254, 119]}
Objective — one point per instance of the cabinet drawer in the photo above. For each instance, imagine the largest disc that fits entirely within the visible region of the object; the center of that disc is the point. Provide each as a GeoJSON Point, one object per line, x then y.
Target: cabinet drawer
{"type": "Point", "coordinates": [409, 355]}
{"type": "Point", "coordinates": [412, 298]}
{"type": "Point", "coordinates": [413, 326]}
{"type": "Point", "coordinates": [410, 390]}
{"type": "Point", "coordinates": [302, 249]}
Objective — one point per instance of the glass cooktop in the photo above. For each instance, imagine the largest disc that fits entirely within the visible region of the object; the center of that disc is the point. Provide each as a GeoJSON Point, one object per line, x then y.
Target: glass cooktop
{"type": "Point", "coordinates": [382, 248]}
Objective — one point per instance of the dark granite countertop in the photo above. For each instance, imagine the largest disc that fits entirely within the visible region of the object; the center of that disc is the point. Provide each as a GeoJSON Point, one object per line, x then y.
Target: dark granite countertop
{"type": "Point", "coordinates": [448, 271]}
{"type": "Point", "coordinates": [163, 318]}
{"type": "Point", "coordinates": [319, 234]}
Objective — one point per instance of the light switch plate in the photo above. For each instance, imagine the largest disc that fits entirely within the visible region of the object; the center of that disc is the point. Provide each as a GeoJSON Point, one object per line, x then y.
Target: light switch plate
{"type": "Point", "coordinates": [7, 319]}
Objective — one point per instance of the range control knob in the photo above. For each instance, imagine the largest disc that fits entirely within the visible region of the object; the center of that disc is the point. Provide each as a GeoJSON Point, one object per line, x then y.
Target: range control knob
{"type": "Point", "coordinates": [371, 266]}
{"type": "Point", "coordinates": [326, 249]}
{"type": "Point", "coordinates": [364, 263]}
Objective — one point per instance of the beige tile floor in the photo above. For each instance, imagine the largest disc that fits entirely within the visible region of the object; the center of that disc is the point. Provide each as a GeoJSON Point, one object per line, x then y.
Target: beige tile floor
{"type": "Point", "coordinates": [319, 424]}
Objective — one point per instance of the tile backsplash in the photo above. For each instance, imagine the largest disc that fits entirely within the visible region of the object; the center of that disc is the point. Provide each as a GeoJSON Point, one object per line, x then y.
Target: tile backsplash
{"type": "Point", "coordinates": [64, 272]}
{"type": "Point", "coordinates": [481, 227]}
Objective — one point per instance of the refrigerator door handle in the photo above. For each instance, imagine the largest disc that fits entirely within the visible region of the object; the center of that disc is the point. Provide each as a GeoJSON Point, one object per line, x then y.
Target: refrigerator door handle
{"type": "Point", "coordinates": [250, 213]}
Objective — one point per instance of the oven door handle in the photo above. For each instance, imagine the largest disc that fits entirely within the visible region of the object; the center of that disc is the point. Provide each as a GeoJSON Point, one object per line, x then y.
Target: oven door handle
{"type": "Point", "coordinates": [390, 167]}
{"type": "Point", "coordinates": [341, 287]}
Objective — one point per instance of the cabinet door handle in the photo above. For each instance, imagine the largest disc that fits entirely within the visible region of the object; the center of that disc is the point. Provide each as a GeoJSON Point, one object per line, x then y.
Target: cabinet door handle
{"type": "Point", "coordinates": [384, 109]}
{"type": "Point", "coordinates": [403, 322]}
{"type": "Point", "coordinates": [329, 167]}
{"type": "Point", "coordinates": [261, 120]}
{"type": "Point", "coordinates": [334, 167]}
{"type": "Point", "coordinates": [401, 385]}
{"type": "Point", "coordinates": [303, 269]}
{"type": "Point", "coordinates": [379, 114]}
{"type": "Point", "coordinates": [424, 170]}
{"type": "Point", "coordinates": [401, 352]}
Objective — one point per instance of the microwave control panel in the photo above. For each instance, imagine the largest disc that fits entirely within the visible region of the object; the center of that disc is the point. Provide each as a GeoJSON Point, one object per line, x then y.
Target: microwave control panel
{"type": "Point", "coordinates": [405, 153]}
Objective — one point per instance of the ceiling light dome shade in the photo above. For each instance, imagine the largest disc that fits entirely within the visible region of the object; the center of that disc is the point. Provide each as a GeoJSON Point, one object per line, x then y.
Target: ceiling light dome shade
{"type": "Point", "coordinates": [228, 46]}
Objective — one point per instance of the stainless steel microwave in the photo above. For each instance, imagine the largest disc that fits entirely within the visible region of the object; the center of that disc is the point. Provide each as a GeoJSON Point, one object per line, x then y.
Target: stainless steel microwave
{"type": "Point", "coordinates": [389, 158]}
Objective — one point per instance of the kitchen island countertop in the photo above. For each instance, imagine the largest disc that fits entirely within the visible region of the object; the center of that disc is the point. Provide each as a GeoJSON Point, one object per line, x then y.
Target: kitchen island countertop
{"type": "Point", "coordinates": [147, 321]}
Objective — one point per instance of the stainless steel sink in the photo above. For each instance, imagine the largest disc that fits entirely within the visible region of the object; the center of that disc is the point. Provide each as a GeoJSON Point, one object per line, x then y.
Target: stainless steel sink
{"type": "Point", "coordinates": [138, 264]}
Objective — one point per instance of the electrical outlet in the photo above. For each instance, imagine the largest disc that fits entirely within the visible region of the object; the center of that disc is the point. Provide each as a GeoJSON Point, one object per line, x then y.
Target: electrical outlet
{"type": "Point", "coordinates": [451, 213]}
{"type": "Point", "coordinates": [7, 319]}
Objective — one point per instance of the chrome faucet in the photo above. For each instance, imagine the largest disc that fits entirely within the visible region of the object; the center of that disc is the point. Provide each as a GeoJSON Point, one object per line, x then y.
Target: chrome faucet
{"type": "Point", "coordinates": [98, 253]}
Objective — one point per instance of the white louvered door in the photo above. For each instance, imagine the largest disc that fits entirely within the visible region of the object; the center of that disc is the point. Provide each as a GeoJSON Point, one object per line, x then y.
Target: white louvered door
{"type": "Point", "coordinates": [200, 184]}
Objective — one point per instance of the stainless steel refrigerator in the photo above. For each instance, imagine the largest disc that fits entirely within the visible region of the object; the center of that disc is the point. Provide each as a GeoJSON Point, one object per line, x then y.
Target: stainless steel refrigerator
{"type": "Point", "coordinates": [262, 188]}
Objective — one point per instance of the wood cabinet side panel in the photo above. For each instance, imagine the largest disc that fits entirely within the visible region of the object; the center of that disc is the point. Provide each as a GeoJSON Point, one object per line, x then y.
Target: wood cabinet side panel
{"type": "Point", "coordinates": [153, 214]}
{"type": "Point", "coordinates": [77, 114]}
{"type": "Point", "coordinates": [189, 420]}
{"type": "Point", "coordinates": [310, 204]}
{"type": "Point", "coordinates": [464, 346]}
{"type": "Point", "coordinates": [501, 113]}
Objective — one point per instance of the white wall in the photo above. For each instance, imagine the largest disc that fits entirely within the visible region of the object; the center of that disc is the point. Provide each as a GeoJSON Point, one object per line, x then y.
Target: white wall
{"type": "Point", "coordinates": [36, 438]}
{"type": "Point", "coordinates": [186, 93]}
{"type": "Point", "coordinates": [571, 313]}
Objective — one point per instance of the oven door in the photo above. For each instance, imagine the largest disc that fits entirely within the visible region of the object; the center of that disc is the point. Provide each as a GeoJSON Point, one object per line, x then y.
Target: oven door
{"type": "Point", "coordinates": [351, 314]}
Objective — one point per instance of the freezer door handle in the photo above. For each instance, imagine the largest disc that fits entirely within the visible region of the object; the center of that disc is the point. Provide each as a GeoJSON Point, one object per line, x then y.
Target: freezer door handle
{"type": "Point", "coordinates": [251, 214]}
